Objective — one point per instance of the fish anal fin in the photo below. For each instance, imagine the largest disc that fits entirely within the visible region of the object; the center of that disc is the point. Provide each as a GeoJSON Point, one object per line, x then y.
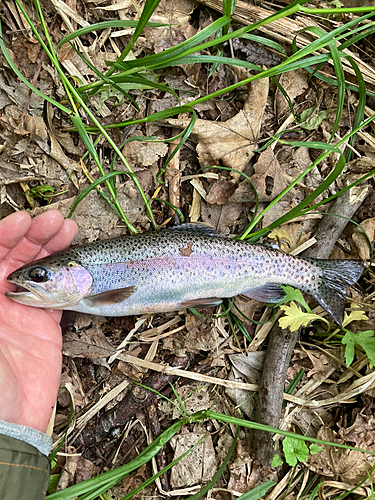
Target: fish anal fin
{"type": "Point", "coordinates": [110, 297]}
{"type": "Point", "coordinates": [213, 301]}
{"type": "Point", "coordinates": [271, 292]}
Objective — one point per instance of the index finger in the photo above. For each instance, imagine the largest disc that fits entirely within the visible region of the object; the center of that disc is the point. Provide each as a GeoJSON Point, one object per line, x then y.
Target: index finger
{"type": "Point", "coordinates": [42, 228]}
{"type": "Point", "coordinates": [12, 229]}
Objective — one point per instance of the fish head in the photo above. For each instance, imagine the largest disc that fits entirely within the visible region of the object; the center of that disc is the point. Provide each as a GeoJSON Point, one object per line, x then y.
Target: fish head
{"type": "Point", "coordinates": [51, 283]}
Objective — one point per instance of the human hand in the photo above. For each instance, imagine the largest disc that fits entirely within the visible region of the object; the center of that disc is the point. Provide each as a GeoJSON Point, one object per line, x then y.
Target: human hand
{"type": "Point", "coordinates": [30, 337]}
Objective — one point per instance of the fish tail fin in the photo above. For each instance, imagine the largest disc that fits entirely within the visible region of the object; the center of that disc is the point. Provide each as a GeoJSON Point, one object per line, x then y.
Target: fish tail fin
{"type": "Point", "coordinates": [336, 277]}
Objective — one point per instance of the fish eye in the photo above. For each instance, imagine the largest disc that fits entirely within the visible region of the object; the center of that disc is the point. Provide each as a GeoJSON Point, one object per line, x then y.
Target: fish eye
{"type": "Point", "coordinates": [38, 274]}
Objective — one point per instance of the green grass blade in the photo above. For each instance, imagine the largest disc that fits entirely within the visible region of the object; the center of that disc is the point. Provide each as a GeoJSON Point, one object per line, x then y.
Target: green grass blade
{"type": "Point", "coordinates": [45, 29]}
{"type": "Point", "coordinates": [229, 6]}
{"type": "Point", "coordinates": [361, 103]}
{"type": "Point", "coordinates": [359, 33]}
{"type": "Point", "coordinates": [170, 205]}
{"type": "Point", "coordinates": [340, 76]}
{"type": "Point", "coordinates": [102, 76]}
{"type": "Point", "coordinates": [77, 122]}
{"type": "Point", "coordinates": [240, 325]}
{"type": "Point", "coordinates": [331, 198]}
{"type": "Point", "coordinates": [159, 115]}
{"type": "Point", "coordinates": [113, 23]}
{"type": "Point", "coordinates": [345, 10]}
{"type": "Point", "coordinates": [257, 492]}
{"type": "Point", "coordinates": [300, 209]}
{"type": "Point", "coordinates": [333, 81]}
{"type": "Point", "coordinates": [310, 198]}
{"type": "Point", "coordinates": [182, 141]}
{"type": "Point", "coordinates": [261, 427]}
{"type": "Point", "coordinates": [183, 49]}
{"type": "Point", "coordinates": [265, 41]}
{"type": "Point", "coordinates": [108, 479]}
{"type": "Point", "coordinates": [92, 186]}
{"type": "Point", "coordinates": [178, 50]}
{"type": "Point", "coordinates": [148, 9]}
{"type": "Point", "coordinates": [156, 476]}
{"type": "Point", "coordinates": [142, 81]}
{"type": "Point", "coordinates": [314, 46]}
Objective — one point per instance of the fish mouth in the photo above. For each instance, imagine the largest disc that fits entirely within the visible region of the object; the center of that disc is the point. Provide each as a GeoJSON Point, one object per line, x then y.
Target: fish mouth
{"type": "Point", "coordinates": [25, 291]}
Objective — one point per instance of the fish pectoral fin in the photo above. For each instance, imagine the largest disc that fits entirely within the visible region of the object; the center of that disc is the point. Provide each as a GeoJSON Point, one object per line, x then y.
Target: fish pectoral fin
{"type": "Point", "coordinates": [110, 297]}
{"type": "Point", "coordinates": [214, 301]}
{"type": "Point", "coordinates": [271, 292]}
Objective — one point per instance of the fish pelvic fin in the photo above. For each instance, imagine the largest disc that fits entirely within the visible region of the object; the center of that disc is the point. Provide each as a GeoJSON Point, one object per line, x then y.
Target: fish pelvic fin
{"type": "Point", "coordinates": [336, 277]}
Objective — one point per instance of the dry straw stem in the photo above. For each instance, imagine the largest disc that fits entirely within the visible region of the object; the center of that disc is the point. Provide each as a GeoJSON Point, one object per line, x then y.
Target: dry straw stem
{"type": "Point", "coordinates": [291, 478]}
{"type": "Point", "coordinates": [286, 29]}
{"type": "Point", "coordinates": [358, 387]}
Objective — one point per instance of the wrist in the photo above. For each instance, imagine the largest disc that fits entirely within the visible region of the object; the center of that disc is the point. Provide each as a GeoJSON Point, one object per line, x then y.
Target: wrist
{"type": "Point", "coordinates": [35, 438]}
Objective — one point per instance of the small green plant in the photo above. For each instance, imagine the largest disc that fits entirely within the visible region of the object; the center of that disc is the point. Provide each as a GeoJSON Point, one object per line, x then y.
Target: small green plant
{"type": "Point", "coordinates": [295, 451]}
{"type": "Point", "coordinates": [42, 192]}
{"type": "Point", "coordinates": [365, 340]}
{"type": "Point", "coordinates": [294, 317]}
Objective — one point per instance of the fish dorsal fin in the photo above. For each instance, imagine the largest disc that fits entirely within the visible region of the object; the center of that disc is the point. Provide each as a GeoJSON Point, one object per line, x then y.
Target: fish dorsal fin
{"type": "Point", "coordinates": [195, 228]}
{"type": "Point", "coordinates": [271, 292]}
{"type": "Point", "coordinates": [110, 297]}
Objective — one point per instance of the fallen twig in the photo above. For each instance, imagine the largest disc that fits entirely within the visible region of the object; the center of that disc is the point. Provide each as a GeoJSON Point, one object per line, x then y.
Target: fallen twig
{"type": "Point", "coordinates": [271, 390]}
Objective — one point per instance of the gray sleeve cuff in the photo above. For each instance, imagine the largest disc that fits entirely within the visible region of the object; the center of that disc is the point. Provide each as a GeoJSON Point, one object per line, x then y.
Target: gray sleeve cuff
{"type": "Point", "coordinates": [38, 439]}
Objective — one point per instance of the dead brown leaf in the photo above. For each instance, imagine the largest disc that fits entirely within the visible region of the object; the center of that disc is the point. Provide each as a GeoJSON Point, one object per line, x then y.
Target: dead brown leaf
{"type": "Point", "coordinates": [220, 192]}
{"type": "Point", "coordinates": [289, 236]}
{"type": "Point", "coordinates": [361, 165]}
{"type": "Point", "coordinates": [359, 238]}
{"type": "Point", "coordinates": [76, 469]}
{"type": "Point", "coordinates": [294, 83]}
{"type": "Point", "coordinates": [221, 217]}
{"type": "Point", "coordinates": [199, 465]}
{"type": "Point", "coordinates": [321, 364]}
{"type": "Point", "coordinates": [362, 431]}
{"type": "Point", "coordinates": [176, 15]}
{"type": "Point", "coordinates": [248, 307]}
{"type": "Point", "coordinates": [201, 334]}
{"type": "Point", "coordinates": [141, 154]}
{"type": "Point", "coordinates": [269, 179]}
{"type": "Point", "coordinates": [288, 201]}
{"type": "Point", "coordinates": [195, 398]}
{"type": "Point", "coordinates": [245, 474]}
{"type": "Point", "coordinates": [91, 344]}
{"type": "Point", "coordinates": [348, 465]}
{"type": "Point", "coordinates": [231, 142]}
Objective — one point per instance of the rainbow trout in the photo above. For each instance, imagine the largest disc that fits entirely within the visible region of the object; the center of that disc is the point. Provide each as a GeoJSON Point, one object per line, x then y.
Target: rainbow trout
{"type": "Point", "coordinates": [186, 266]}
